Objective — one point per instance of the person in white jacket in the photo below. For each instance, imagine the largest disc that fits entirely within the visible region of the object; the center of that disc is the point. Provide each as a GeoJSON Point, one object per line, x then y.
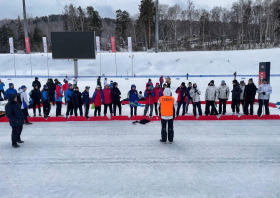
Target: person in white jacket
{"type": "Point", "coordinates": [242, 98]}
{"type": "Point", "coordinates": [24, 103]}
{"type": "Point", "coordinates": [223, 94]}
{"type": "Point", "coordinates": [105, 82]}
{"type": "Point", "coordinates": [195, 94]}
{"type": "Point", "coordinates": [264, 90]}
{"type": "Point", "coordinates": [210, 98]}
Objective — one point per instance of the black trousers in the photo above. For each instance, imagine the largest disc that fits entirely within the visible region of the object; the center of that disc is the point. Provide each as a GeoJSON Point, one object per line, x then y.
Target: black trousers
{"type": "Point", "coordinates": [156, 109]}
{"type": "Point", "coordinates": [131, 111]}
{"type": "Point", "coordinates": [86, 106]}
{"type": "Point", "coordinates": [168, 85]}
{"type": "Point", "coordinates": [34, 107]}
{"type": "Point", "coordinates": [170, 130]}
{"type": "Point", "coordinates": [46, 108]}
{"type": "Point", "coordinates": [213, 108]}
{"type": "Point", "coordinates": [58, 108]}
{"type": "Point", "coordinates": [2, 91]}
{"type": "Point", "coordinates": [76, 110]}
{"type": "Point", "coordinates": [179, 106]}
{"type": "Point", "coordinates": [119, 105]}
{"type": "Point", "coordinates": [105, 108]}
{"type": "Point", "coordinates": [265, 103]}
{"type": "Point", "coordinates": [235, 105]}
{"type": "Point", "coordinates": [51, 98]}
{"type": "Point", "coordinates": [70, 108]}
{"type": "Point", "coordinates": [242, 102]}
{"type": "Point", "coordinates": [247, 103]}
{"type": "Point", "coordinates": [16, 132]}
{"type": "Point", "coordinates": [97, 109]}
{"type": "Point", "coordinates": [198, 106]}
{"type": "Point", "coordinates": [25, 113]}
{"type": "Point", "coordinates": [222, 106]}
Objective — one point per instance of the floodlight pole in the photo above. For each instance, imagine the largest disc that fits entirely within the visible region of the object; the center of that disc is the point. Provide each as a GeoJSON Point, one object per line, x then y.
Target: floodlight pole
{"type": "Point", "coordinates": [24, 20]}
{"type": "Point", "coordinates": [76, 67]}
{"type": "Point", "coordinates": [157, 19]}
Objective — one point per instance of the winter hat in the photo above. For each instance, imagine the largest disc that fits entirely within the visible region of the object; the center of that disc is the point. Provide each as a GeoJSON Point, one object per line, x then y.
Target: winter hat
{"type": "Point", "coordinates": [157, 83]}
{"type": "Point", "coordinates": [212, 81]}
{"type": "Point", "coordinates": [11, 84]}
{"type": "Point", "coordinates": [264, 80]}
{"type": "Point", "coordinates": [45, 86]}
{"type": "Point", "coordinates": [97, 86]}
{"type": "Point", "coordinates": [69, 85]}
{"type": "Point", "coordinates": [167, 92]}
{"type": "Point", "coordinates": [234, 81]}
{"type": "Point", "coordinates": [87, 87]}
{"type": "Point", "coordinates": [150, 80]}
{"type": "Point", "coordinates": [223, 81]}
{"type": "Point", "coordinates": [36, 78]}
{"type": "Point", "coordinates": [23, 87]}
{"type": "Point", "coordinates": [183, 84]}
{"type": "Point", "coordinates": [55, 80]}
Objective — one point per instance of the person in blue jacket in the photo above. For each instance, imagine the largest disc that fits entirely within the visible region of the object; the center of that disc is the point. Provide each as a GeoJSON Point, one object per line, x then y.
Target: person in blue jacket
{"type": "Point", "coordinates": [11, 90]}
{"type": "Point", "coordinates": [58, 100]}
{"type": "Point", "coordinates": [133, 98]}
{"type": "Point", "coordinates": [86, 100]}
{"type": "Point", "coordinates": [45, 101]}
{"type": "Point", "coordinates": [68, 96]}
{"type": "Point", "coordinates": [2, 85]}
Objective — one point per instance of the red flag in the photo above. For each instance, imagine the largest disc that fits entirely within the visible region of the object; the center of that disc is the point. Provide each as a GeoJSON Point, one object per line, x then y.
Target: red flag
{"type": "Point", "coordinates": [113, 44]}
{"type": "Point", "coordinates": [27, 46]}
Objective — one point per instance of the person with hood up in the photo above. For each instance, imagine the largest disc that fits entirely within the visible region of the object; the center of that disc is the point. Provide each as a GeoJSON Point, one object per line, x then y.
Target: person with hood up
{"type": "Point", "coordinates": [99, 82]}
{"type": "Point", "coordinates": [68, 96]}
{"type": "Point", "coordinates": [2, 85]}
{"type": "Point", "coordinates": [149, 95]}
{"type": "Point", "coordinates": [75, 82]}
{"type": "Point", "coordinates": [242, 101]}
{"type": "Point", "coordinates": [168, 81]}
{"type": "Point", "coordinates": [86, 100]}
{"type": "Point", "coordinates": [16, 119]}
{"type": "Point", "coordinates": [116, 95]}
{"type": "Point", "coordinates": [64, 89]}
{"type": "Point", "coordinates": [249, 97]}
{"type": "Point", "coordinates": [11, 90]}
{"type": "Point", "coordinates": [157, 91]}
{"type": "Point", "coordinates": [45, 101]}
{"type": "Point", "coordinates": [36, 82]}
{"type": "Point", "coordinates": [236, 92]}
{"type": "Point", "coordinates": [133, 98]}
{"type": "Point", "coordinates": [189, 100]}
{"type": "Point", "coordinates": [195, 94]}
{"type": "Point", "coordinates": [182, 92]}
{"type": "Point", "coordinates": [77, 101]}
{"type": "Point", "coordinates": [210, 98]}
{"type": "Point", "coordinates": [58, 100]}
{"type": "Point", "coordinates": [107, 100]}
{"type": "Point", "coordinates": [36, 97]}
{"type": "Point", "coordinates": [161, 80]}
{"type": "Point", "coordinates": [24, 103]}
{"type": "Point", "coordinates": [265, 90]}
{"type": "Point", "coordinates": [167, 114]}
{"type": "Point", "coordinates": [51, 90]}
{"type": "Point", "coordinates": [97, 100]}
{"type": "Point", "coordinates": [223, 95]}
{"type": "Point", "coordinates": [149, 83]}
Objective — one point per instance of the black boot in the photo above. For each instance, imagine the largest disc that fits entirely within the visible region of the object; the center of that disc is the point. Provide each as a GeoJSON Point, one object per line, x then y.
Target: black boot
{"type": "Point", "coordinates": [15, 145]}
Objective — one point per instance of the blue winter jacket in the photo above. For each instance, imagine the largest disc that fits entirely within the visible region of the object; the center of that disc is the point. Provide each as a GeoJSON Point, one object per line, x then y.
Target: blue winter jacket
{"type": "Point", "coordinates": [10, 91]}
{"type": "Point", "coordinates": [85, 97]}
{"type": "Point", "coordinates": [133, 96]}
{"type": "Point", "coordinates": [68, 94]}
{"type": "Point", "coordinates": [2, 85]}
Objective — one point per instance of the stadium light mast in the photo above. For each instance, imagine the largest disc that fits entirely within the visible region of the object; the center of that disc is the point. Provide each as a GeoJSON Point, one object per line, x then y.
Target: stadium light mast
{"type": "Point", "coordinates": [27, 46]}
{"type": "Point", "coordinates": [157, 19]}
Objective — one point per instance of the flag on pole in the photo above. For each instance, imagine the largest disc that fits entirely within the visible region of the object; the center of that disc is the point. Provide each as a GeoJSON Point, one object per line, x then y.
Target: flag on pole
{"type": "Point", "coordinates": [113, 44]}
{"type": "Point", "coordinates": [45, 44]}
{"type": "Point", "coordinates": [11, 42]}
{"type": "Point", "coordinates": [129, 44]}
{"type": "Point", "coordinates": [98, 44]}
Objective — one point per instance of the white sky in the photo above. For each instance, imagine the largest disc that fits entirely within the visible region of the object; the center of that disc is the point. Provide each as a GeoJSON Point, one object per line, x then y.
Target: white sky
{"type": "Point", "coordinates": [106, 8]}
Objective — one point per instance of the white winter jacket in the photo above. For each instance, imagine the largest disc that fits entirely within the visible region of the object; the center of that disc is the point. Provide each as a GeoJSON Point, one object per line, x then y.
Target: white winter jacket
{"type": "Point", "coordinates": [264, 88]}
{"type": "Point", "coordinates": [24, 100]}
{"type": "Point", "coordinates": [211, 93]}
{"type": "Point", "coordinates": [242, 94]}
{"type": "Point", "coordinates": [223, 92]}
{"type": "Point", "coordinates": [195, 95]}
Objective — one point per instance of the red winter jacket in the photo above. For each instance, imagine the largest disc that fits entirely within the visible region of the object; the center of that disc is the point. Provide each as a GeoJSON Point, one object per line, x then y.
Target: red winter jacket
{"type": "Point", "coordinates": [161, 79]}
{"type": "Point", "coordinates": [106, 96]}
{"type": "Point", "coordinates": [96, 98]}
{"type": "Point", "coordinates": [149, 95]}
{"type": "Point", "coordinates": [183, 91]}
{"type": "Point", "coordinates": [157, 93]}
{"type": "Point", "coordinates": [150, 84]}
{"type": "Point", "coordinates": [65, 87]}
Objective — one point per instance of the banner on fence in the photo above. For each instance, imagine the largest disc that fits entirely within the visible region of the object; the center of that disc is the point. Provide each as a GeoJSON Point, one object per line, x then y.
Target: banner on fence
{"type": "Point", "coordinates": [98, 44]}
{"type": "Point", "coordinates": [45, 44]}
{"type": "Point", "coordinates": [129, 44]}
{"type": "Point", "coordinates": [113, 45]}
{"type": "Point", "coordinates": [11, 42]}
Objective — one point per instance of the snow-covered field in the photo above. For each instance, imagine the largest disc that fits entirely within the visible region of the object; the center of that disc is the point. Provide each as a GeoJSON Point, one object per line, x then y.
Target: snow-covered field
{"type": "Point", "coordinates": [118, 159]}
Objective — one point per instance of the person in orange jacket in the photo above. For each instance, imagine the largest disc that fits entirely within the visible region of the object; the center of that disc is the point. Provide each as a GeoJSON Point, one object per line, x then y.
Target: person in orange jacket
{"type": "Point", "coordinates": [167, 113]}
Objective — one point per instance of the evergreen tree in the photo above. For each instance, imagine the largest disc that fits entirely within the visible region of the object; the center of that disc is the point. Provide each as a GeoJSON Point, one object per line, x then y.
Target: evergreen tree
{"type": "Point", "coordinates": [37, 38]}
{"type": "Point", "coordinates": [94, 21]}
{"type": "Point", "coordinates": [19, 41]}
{"type": "Point", "coordinates": [122, 24]}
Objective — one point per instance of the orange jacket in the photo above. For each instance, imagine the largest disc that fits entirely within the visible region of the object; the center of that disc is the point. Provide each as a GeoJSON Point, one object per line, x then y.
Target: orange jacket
{"type": "Point", "coordinates": [166, 105]}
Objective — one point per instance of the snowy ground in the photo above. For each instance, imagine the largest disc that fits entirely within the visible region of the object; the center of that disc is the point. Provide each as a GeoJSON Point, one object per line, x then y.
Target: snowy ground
{"type": "Point", "coordinates": [118, 159]}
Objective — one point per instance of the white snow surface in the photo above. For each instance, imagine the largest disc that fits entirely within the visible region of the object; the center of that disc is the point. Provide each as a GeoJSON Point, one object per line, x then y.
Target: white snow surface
{"type": "Point", "coordinates": [118, 159]}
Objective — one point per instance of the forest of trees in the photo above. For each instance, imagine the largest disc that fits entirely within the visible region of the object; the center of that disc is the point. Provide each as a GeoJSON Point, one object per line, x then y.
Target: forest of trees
{"type": "Point", "coordinates": [248, 24]}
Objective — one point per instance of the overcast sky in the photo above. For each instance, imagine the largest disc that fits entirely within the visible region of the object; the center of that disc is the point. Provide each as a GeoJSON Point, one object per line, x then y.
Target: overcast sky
{"type": "Point", "coordinates": [106, 8]}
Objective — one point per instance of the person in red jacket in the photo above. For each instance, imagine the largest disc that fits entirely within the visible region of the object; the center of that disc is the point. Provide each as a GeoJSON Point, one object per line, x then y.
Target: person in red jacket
{"type": "Point", "coordinates": [64, 89]}
{"type": "Point", "coordinates": [149, 83]}
{"type": "Point", "coordinates": [107, 100]}
{"type": "Point", "coordinates": [161, 80]}
{"type": "Point", "coordinates": [97, 100]}
{"type": "Point", "coordinates": [157, 91]}
{"type": "Point", "coordinates": [149, 95]}
{"type": "Point", "coordinates": [182, 92]}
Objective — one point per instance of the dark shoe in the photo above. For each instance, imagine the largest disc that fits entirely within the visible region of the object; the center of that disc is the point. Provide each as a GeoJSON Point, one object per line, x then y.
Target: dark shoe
{"type": "Point", "coordinates": [20, 141]}
{"type": "Point", "coordinates": [15, 146]}
{"type": "Point", "coordinates": [40, 114]}
{"type": "Point", "coordinates": [28, 123]}
{"type": "Point", "coordinates": [34, 115]}
{"type": "Point", "coordinates": [162, 141]}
